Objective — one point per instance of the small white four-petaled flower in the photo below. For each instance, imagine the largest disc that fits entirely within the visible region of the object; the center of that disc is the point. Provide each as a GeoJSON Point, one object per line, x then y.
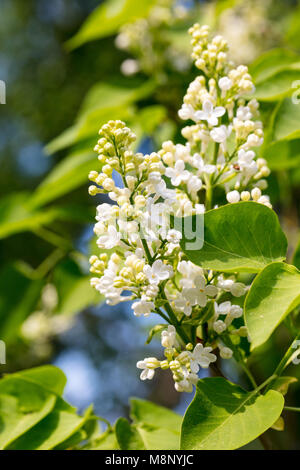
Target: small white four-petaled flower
{"type": "Point", "coordinates": [158, 272]}
{"type": "Point", "coordinates": [178, 174]}
{"type": "Point", "coordinates": [149, 364]}
{"type": "Point", "coordinates": [209, 113]}
{"type": "Point", "coordinates": [201, 357]}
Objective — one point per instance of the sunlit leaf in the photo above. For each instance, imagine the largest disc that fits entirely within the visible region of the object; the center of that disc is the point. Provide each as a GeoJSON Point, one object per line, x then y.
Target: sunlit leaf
{"type": "Point", "coordinates": [108, 18]}
{"type": "Point", "coordinates": [223, 416]}
{"type": "Point", "coordinates": [66, 176]}
{"type": "Point", "coordinates": [271, 62]}
{"type": "Point", "coordinates": [282, 155]}
{"type": "Point", "coordinates": [22, 405]}
{"type": "Point", "coordinates": [245, 236]}
{"type": "Point", "coordinates": [274, 293]}
{"type": "Point", "coordinates": [55, 428]}
{"type": "Point", "coordinates": [158, 427]}
{"type": "Point", "coordinates": [105, 101]}
{"type": "Point", "coordinates": [287, 120]}
{"type": "Point", "coordinates": [17, 216]}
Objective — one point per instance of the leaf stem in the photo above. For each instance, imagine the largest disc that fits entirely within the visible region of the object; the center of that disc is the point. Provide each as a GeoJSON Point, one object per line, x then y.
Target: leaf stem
{"type": "Point", "coordinates": [216, 152]}
{"type": "Point", "coordinates": [147, 251]}
{"type": "Point", "coordinates": [266, 382]}
{"type": "Point", "coordinates": [49, 263]}
{"type": "Point", "coordinates": [53, 238]}
{"type": "Point", "coordinates": [208, 195]}
{"type": "Point", "coordinates": [291, 408]}
{"type": "Point", "coordinates": [159, 312]}
{"type": "Point", "coordinates": [249, 374]}
{"type": "Point", "coordinates": [287, 359]}
{"type": "Point", "coordinates": [174, 319]}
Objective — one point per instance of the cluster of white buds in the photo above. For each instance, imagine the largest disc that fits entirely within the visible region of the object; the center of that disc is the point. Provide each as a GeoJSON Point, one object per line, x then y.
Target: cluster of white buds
{"type": "Point", "coordinates": [140, 258]}
{"type": "Point", "coordinates": [249, 28]}
{"type": "Point", "coordinates": [225, 120]}
{"type": "Point", "coordinates": [184, 365]}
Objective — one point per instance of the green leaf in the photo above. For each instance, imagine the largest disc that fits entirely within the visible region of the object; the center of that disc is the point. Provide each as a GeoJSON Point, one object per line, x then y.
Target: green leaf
{"type": "Point", "coordinates": [223, 416]}
{"type": "Point", "coordinates": [150, 117]}
{"type": "Point", "coordinates": [270, 63]}
{"type": "Point", "coordinates": [22, 405]}
{"type": "Point", "coordinates": [34, 416]}
{"type": "Point", "coordinates": [128, 437]}
{"type": "Point", "coordinates": [71, 173]}
{"type": "Point", "coordinates": [48, 377]}
{"type": "Point", "coordinates": [107, 441]}
{"type": "Point", "coordinates": [274, 293]}
{"type": "Point", "coordinates": [116, 93]}
{"type": "Point", "coordinates": [85, 129]}
{"type": "Point", "coordinates": [278, 86]}
{"type": "Point", "coordinates": [245, 236]}
{"type": "Point", "coordinates": [274, 73]}
{"type": "Point", "coordinates": [282, 155]}
{"type": "Point", "coordinates": [159, 438]}
{"type": "Point", "coordinates": [108, 18]}
{"type": "Point", "coordinates": [73, 441]}
{"type": "Point", "coordinates": [15, 422]}
{"type": "Point", "coordinates": [105, 101]}
{"type": "Point", "coordinates": [55, 428]}
{"type": "Point", "coordinates": [143, 411]}
{"type": "Point", "coordinates": [62, 141]}
{"type": "Point", "coordinates": [158, 427]}
{"type": "Point", "coordinates": [17, 216]}
{"type": "Point", "coordinates": [287, 120]}
{"type": "Point", "coordinates": [293, 25]}
{"type": "Point", "coordinates": [19, 295]}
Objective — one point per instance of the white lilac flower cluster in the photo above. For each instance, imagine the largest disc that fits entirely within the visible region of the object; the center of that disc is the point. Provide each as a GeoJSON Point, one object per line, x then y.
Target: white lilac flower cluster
{"type": "Point", "coordinates": [140, 255]}
{"type": "Point", "coordinates": [146, 41]}
{"type": "Point", "coordinates": [249, 29]}
{"type": "Point", "coordinates": [226, 124]}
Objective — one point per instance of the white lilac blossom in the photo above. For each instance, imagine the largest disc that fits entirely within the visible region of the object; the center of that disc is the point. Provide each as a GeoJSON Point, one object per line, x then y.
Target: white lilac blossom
{"type": "Point", "coordinates": [178, 174]}
{"type": "Point", "coordinates": [140, 256]}
{"type": "Point", "coordinates": [168, 337]}
{"type": "Point", "coordinates": [149, 364]}
{"type": "Point", "coordinates": [143, 307]}
{"type": "Point", "coordinates": [209, 113]}
{"type": "Point", "coordinates": [157, 272]}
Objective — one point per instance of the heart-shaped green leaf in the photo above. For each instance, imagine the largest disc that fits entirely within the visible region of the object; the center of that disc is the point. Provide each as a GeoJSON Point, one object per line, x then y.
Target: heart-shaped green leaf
{"type": "Point", "coordinates": [223, 416]}
{"type": "Point", "coordinates": [245, 236]}
{"type": "Point", "coordinates": [273, 294]}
